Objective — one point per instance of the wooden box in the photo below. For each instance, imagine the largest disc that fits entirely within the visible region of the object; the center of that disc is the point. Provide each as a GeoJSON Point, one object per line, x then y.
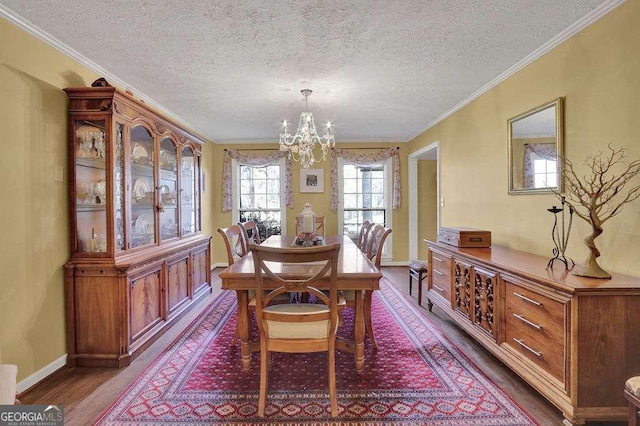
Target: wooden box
{"type": "Point", "coordinates": [464, 237]}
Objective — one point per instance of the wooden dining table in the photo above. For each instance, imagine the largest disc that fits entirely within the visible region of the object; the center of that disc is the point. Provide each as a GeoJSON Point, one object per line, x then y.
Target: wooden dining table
{"type": "Point", "coordinates": [355, 272]}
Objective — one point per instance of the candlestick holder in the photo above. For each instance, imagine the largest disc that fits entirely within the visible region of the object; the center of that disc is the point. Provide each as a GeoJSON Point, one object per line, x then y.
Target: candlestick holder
{"type": "Point", "coordinates": [560, 235]}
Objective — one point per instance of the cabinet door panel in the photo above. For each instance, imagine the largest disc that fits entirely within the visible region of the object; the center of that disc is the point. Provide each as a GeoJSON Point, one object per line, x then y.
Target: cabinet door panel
{"type": "Point", "coordinates": [201, 268]}
{"type": "Point", "coordinates": [96, 328]}
{"type": "Point", "coordinates": [143, 187]}
{"type": "Point", "coordinates": [145, 303]}
{"type": "Point", "coordinates": [462, 288]}
{"type": "Point", "coordinates": [168, 190]}
{"type": "Point", "coordinates": [177, 283]}
{"type": "Point", "coordinates": [485, 304]}
{"type": "Point", "coordinates": [90, 186]}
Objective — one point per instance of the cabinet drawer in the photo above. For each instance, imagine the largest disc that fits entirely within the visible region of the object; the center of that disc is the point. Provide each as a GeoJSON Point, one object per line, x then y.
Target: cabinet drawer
{"type": "Point", "coordinates": [441, 283]}
{"type": "Point", "coordinates": [440, 274]}
{"type": "Point", "coordinates": [441, 263]}
{"type": "Point", "coordinates": [535, 327]}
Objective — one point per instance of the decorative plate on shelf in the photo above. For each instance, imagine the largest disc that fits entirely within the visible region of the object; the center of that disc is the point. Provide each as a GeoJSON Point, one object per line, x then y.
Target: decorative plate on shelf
{"type": "Point", "coordinates": [168, 160]}
{"type": "Point", "coordinates": [143, 224]}
{"type": "Point", "coordinates": [140, 188]}
{"type": "Point", "coordinates": [139, 153]}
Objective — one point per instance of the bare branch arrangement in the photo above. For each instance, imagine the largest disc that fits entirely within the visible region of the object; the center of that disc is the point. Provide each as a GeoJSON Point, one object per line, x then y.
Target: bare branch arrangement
{"type": "Point", "coordinates": [598, 196]}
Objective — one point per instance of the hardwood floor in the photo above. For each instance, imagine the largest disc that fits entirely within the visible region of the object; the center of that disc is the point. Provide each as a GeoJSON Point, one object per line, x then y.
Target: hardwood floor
{"type": "Point", "coordinates": [86, 392]}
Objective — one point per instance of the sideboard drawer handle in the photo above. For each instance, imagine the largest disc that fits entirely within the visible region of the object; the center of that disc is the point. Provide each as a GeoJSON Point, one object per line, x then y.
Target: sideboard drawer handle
{"type": "Point", "coordinates": [440, 289]}
{"type": "Point", "coordinates": [437, 258]}
{"type": "Point", "coordinates": [521, 343]}
{"type": "Point", "coordinates": [438, 272]}
{"type": "Point", "coordinates": [526, 321]}
{"type": "Point", "coordinates": [526, 299]}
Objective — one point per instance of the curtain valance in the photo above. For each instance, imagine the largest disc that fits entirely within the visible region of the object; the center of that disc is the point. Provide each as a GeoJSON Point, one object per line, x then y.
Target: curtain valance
{"type": "Point", "coordinates": [364, 159]}
{"type": "Point", "coordinates": [254, 159]}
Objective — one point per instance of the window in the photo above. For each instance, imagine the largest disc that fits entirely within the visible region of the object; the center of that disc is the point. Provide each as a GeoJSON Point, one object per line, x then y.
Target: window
{"type": "Point", "coordinates": [365, 194]}
{"type": "Point", "coordinates": [544, 172]}
{"type": "Point", "coordinates": [258, 196]}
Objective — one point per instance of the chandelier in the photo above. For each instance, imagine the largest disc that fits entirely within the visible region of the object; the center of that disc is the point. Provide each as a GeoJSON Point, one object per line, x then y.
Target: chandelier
{"type": "Point", "coordinates": [302, 145]}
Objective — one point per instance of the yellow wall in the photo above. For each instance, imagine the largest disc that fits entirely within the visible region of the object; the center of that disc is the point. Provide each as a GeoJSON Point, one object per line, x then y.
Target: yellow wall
{"type": "Point", "coordinates": [319, 201]}
{"type": "Point", "coordinates": [598, 73]}
{"type": "Point", "coordinates": [427, 204]}
{"type": "Point", "coordinates": [34, 215]}
{"type": "Point", "coordinates": [34, 218]}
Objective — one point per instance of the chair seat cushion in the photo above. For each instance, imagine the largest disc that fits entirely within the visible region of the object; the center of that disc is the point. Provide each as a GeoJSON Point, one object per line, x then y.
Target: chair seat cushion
{"type": "Point", "coordinates": [298, 330]}
{"type": "Point", "coordinates": [418, 265]}
{"type": "Point", "coordinates": [633, 386]}
{"type": "Point", "coordinates": [8, 375]}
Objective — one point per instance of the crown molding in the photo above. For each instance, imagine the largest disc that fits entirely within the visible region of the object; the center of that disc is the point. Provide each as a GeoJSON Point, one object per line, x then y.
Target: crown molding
{"type": "Point", "coordinates": [275, 141]}
{"type": "Point", "coordinates": [114, 80]}
{"type": "Point", "coordinates": [577, 26]}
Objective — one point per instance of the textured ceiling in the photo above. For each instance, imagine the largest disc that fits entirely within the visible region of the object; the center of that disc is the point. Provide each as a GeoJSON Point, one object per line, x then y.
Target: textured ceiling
{"type": "Point", "coordinates": [233, 70]}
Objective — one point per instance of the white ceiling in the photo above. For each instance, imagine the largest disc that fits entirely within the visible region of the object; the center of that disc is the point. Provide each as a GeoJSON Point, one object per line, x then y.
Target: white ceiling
{"type": "Point", "coordinates": [232, 70]}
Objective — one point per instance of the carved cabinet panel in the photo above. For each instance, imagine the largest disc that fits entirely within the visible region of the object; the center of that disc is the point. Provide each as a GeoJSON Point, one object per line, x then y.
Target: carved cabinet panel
{"type": "Point", "coordinates": [145, 303]}
{"type": "Point", "coordinates": [177, 283]}
{"type": "Point", "coordinates": [201, 268]}
{"type": "Point", "coordinates": [484, 308]}
{"type": "Point", "coordinates": [462, 288]}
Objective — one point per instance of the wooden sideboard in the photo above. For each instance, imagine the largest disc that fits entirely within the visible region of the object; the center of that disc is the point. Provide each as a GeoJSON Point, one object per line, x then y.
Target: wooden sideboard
{"type": "Point", "coordinates": [575, 340]}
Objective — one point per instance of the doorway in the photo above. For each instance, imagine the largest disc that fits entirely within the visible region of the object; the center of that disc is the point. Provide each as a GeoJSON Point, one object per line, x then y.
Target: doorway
{"type": "Point", "coordinates": [422, 194]}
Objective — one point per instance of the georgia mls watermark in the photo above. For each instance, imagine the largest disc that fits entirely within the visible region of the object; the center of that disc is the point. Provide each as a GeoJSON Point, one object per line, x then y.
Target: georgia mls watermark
{"type": "Point", "coordinates": [31, 415]}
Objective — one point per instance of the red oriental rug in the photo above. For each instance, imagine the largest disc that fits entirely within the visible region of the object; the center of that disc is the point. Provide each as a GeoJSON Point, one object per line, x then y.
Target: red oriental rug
{"type": "Point", "coordinates": [415, 377]}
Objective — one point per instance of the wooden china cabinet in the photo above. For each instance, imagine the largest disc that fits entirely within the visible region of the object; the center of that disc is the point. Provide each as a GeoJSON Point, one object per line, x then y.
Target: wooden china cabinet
{"type": "Point", "coordinates": [139, 260]}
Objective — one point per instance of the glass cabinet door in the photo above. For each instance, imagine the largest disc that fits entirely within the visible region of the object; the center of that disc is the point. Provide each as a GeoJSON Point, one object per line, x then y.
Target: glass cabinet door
{"type": "Point", "coordinates": [168, 190]}
{"type": "Point", "coordinates": [142, 187]}
{"type": "Point", "coordinates": [90, 186]}
{"type": "Point", "coordinates": [118, 187]}
{"type": "Point", "coordinates": [188, 193]}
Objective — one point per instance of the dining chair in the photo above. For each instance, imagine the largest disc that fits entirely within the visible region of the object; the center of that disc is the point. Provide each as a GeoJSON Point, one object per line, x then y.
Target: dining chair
{"type": "Point", "coordinates": [363, 233]}
{"type": "Point", "coordinates": [320, 224]}
{"type": "Point", "coordinates": [250, 233]}
{"type": "Point", "coordinates": [234, 242]}
{"type": "Point", "coordinates": [297, 327]}
{"type": "Point", "coordinates": [376, 238]}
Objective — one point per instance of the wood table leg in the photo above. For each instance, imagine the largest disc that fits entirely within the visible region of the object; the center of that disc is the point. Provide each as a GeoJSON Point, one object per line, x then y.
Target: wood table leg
{"type": "Point", "coordinates": [359, 332]}
{"type": "Point", "coordinates": [368, 295]}
{"type": "Point", "coordinates": [243, 326]}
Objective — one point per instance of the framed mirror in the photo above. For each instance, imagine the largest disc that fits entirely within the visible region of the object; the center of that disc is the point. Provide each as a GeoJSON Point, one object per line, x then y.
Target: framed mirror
{"type": "Point", "coordinates": [535, 141]}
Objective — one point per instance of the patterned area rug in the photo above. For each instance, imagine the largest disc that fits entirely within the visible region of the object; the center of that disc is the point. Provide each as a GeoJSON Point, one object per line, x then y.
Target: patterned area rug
{"type": "Point", "coordinates": [415, 377]}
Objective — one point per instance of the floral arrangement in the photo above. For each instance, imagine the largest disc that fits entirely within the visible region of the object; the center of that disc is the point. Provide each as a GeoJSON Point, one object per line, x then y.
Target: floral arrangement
{"type": "Point", "coordinates": [312, 236]}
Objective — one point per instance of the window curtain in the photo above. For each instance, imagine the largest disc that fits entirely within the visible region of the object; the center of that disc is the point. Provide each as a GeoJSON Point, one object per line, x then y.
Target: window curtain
{"type": "Point", "coordinates": [254, 159]}
{"type": "Point", "coordinates": [365, 159]}
{"type": "Point", "coordinates": [542, 150]}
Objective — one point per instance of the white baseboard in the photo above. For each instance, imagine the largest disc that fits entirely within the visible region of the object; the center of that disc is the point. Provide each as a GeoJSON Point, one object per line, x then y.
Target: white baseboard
{"type": "Point", "coordinates": [394, 263]}
{"type": "Point", "coordinates": [41, 374]}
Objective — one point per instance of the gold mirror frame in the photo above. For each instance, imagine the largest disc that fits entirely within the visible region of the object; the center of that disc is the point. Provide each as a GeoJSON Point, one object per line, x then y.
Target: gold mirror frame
{"type": "Point", "coordinates": [535, 134]}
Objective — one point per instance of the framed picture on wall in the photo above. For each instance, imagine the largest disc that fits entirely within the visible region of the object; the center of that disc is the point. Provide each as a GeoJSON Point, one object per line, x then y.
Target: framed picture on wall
{"type": "Point", "coordinates": [312, 180]}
